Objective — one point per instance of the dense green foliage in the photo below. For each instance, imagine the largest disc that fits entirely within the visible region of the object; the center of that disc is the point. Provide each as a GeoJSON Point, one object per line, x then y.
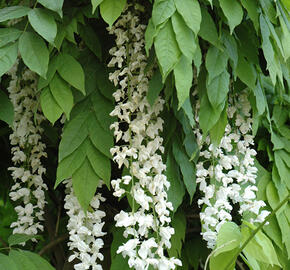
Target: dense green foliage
{"type": "Point", "coordinates": [212, 48]}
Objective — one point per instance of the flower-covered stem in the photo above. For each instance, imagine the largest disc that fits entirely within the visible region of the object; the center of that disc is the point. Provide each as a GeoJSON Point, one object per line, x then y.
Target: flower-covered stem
{"type": "Point", "coordinates": [85, 230]}
{"type": "Point", "coordinates": [27, 152]}
{"type": "Point", "coordinates": [147, 224]}
{"type": "Point", "coordinates": [230, 177]}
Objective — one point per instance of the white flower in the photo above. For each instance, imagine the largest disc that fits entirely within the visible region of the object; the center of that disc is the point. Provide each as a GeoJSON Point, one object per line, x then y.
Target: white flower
{"type": "Point", "coordinates": [141, 151]}
{"type": "Point", "coordinates": [27, 151]}
{"type": "Point", "coordinates": [85, 230]}
{"type": "Point", "coordinates": [233, 167]}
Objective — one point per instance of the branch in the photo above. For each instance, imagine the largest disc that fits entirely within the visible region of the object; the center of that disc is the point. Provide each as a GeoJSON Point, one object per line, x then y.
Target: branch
{"type": "Point", "coordinates": [53, 243]}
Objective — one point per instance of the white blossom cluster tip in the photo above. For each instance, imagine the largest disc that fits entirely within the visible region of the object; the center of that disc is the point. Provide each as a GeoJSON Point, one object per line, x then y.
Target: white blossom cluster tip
{"type": "Point", "coordinates": [227, 174]}
{"type": "Point", "coordinates": [27, 151]}
{"type": "Point", "coordinates": [137, 130]}
{"type": "Point", "coordinates": [85, 230]}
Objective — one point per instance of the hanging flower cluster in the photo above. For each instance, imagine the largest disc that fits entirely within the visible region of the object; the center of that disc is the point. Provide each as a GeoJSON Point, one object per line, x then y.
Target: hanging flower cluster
{"type": "Point", "coordinates": [27, 151]}
{"type": "Point", "coordinates": [85, 230]}
{"type": "Point", "coordinates": [137, 129]}
{"type": "Point", "coordinates": [226, 174]}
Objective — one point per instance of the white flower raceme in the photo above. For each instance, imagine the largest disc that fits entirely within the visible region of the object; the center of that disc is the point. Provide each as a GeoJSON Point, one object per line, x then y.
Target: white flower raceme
{"type": "Point", "coordinates": [138, 128]}
{"type": "Point", "coordinates": [27, 151]}
{"type": "Point", "coordinates": [226, 174]}
{"type": "Point", "coordinates": [85, 230]}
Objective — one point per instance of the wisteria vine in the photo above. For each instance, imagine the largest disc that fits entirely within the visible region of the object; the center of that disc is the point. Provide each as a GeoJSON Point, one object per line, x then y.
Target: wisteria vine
{"type": "Point", "coordinates": [137, 130]}
{"type": "Point", "coordinates": [227, 173]}
{"type": "Point", "coordinates": [27, 152]}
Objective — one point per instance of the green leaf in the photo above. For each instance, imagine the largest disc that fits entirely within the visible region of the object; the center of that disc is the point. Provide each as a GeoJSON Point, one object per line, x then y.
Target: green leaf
{"type": "Point", "coordinates": [71, 71]}
{"type": "Point", "coordinates": [8, 56]}
{"type": "Point", "coordinates": [100, 163]}
{"type": "Point", "coordinates": [119, 262]}
{"type": "Point", "coordinates": [190, 11]}
{"type": "Point", "coordinates": [197, 58]}
{"type": "Point", "coordinates": [7, 110]}
{"type": "Point", "coordinates": [183, 75]}
{"type": "Point", "coordinates": [184, 36]}
{"type": "Point", "coordinates": [43, 23]}
{"type": "Point", "coordinates": [55, 5]}
{"type": "Point", "coordinates": [228, 242]}
{"type": "Point", "coordinates": [150, 34]}
{"type": "Point", "coordinates": [162, 11]}
{"type": "Point", "coordinates": [118, 240]}
{"type": "Point", "coordinates": [187, 168]}
{"type": "Point", "coordinates": [286, 4]}
{"type": "Point", "coordinates": [68, 165]}
{"type": "Point", "coordinates": [167, 50]}
{"type": "Point", "coordinates": [155, 87]}
{"type": "Point", "coordinates": [100, 138]}
{"type": "Point", "coordinates": [252, 8]}
{"type": "Point", "coordinates": [280, 115]}
{"type": "Point", "coordinates": [62, 94]}
{"type": "Point", "coordinates": [14, 12]}
{"type": "Point", "coordinates": [50, 73]}
{"type": "Point", "coordinates": [102, 109]}
{"type": "Point", "coordinates": [285, 38]}
{"type": "Point", "coordinates": [111, 10]}
{"type": "Point", "coordinates": [273, 199]}
{"type": "Point", "coordinates": [49, 106]}
{"type": "Point", "coordinates": [61, 33]}
{"type": "Point", "coordinates": [179, 225]}
{"type": "Point", "coordinates": [16, 239]}
{"type": "Point", "coordinates": [95, 4]}
{"type": "Point", "coordinates": [70, 29]}
{"type": "Point", "coordinates": [85, 183]}
{"type": "Point", "coordinates": [75, 132]}
{"type": "Point", "coordinates": [273, 231]}
{"type": "Point", "coordinates": [218, 130]}
{"type": "Point", "coordinates": [283, 169]}
{"type": "Point", "coordinates": [208, 30]}
{"type": "Point", "coordinates": [91, 39]}
{"type": "Point", "coordinates": [218, 89]}
{"type": "Point", "coordinates": [8, 35]}
{"type": "Point", "coordinates": [260, 247]}
{"type": "Point", "coordinates": [246, 72]}
{"type": "Point", "coordinates": [38, 261]}
{"type": "Point", "coordinates": [273, 65]}
{"type": "Point", "coordinates": [188, 110]}
{"type": "Point", "coordinates": [216, 62]}
{"type": "Point", "coordinates": [176, 190]}
{"type": "Point", "coordinates": [231, 49]}
{"type": "Point", "coordinates": [208, 116]}
{"type": "Point", "coordinates": [34, 53]}
{"type": "Point", "coordinates": [276, 140]}
{"type": "Point", "coordinates": [263, 178]}
{"type": "Point", "coordinates": [22, 261]}
{"type": "Point", "coordinates": [261, 101]}
{"type": "Point", "coordinates": [275, 37]}
{"type": "Point", "coordinates": [229, 237]}
{"type": "Point", "coordinates": [105, 86]}
{"type": "Point", "coordinates": [6, 263]}
{"type": "Point", "coordinates": [233, 12]}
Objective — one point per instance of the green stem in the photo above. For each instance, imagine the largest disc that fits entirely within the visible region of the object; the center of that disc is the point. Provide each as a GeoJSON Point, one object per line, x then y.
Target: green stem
{"type": "Point", "coordinates": [257, 230]}
{"type": "Point", "coordinates": [26, 25]}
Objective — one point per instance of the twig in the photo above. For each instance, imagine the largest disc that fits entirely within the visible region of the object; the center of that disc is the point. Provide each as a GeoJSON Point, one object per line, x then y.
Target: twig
{"type": "Point", "coordinates": [53, 243]}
